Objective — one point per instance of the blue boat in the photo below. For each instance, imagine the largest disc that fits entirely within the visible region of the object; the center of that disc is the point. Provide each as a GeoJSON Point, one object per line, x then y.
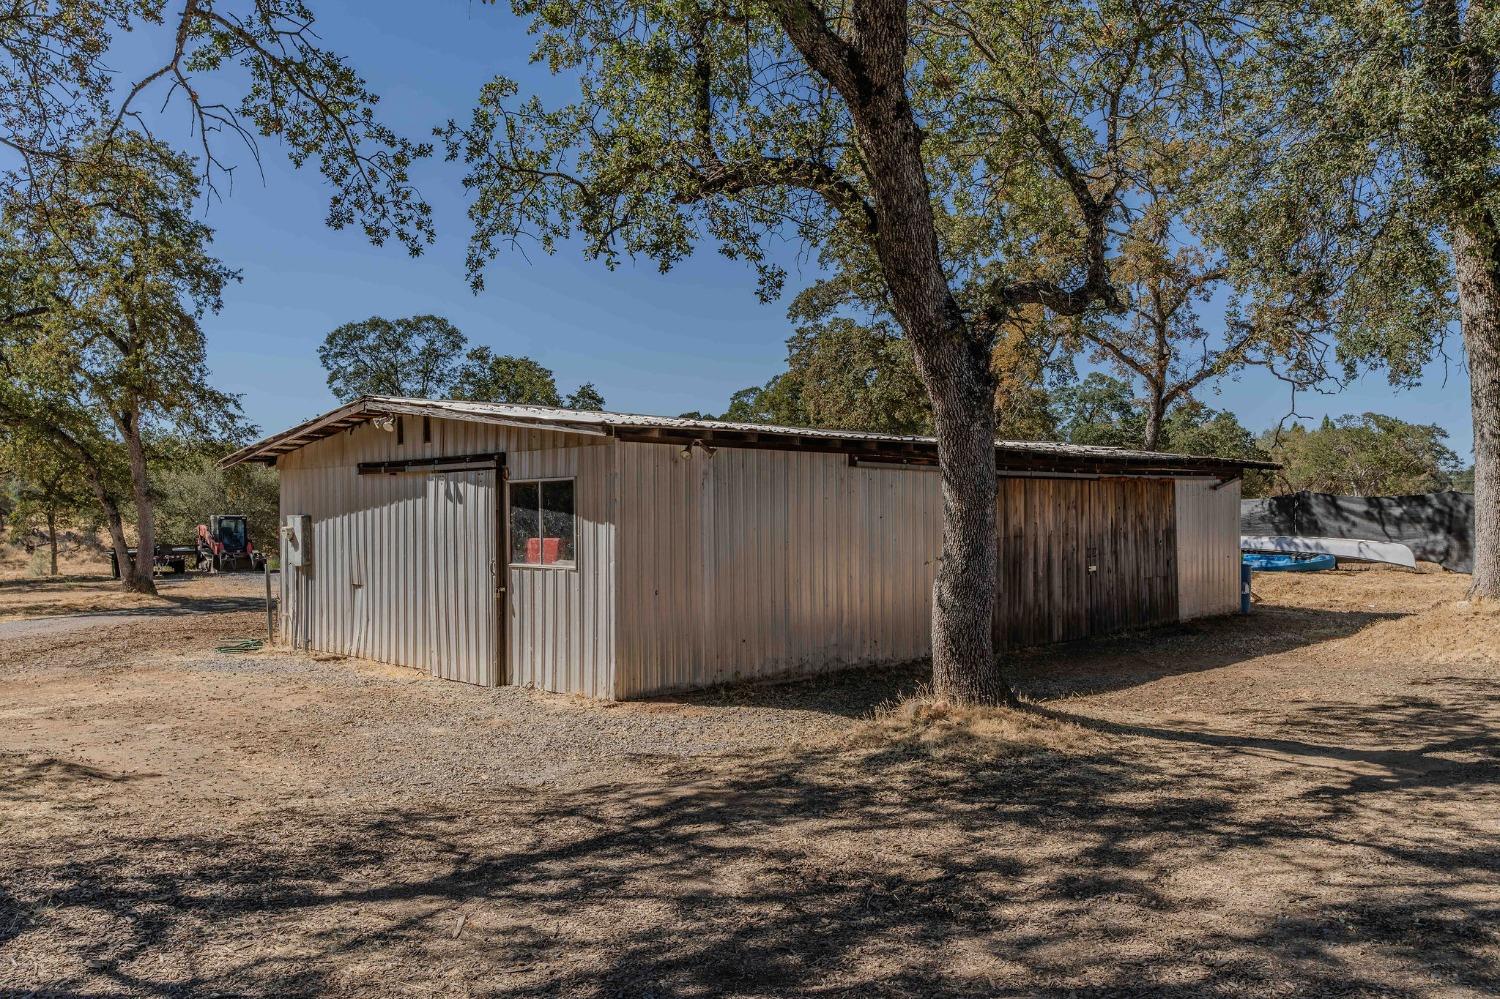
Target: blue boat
{"type": "Point", "coordinates": [1278, 562]}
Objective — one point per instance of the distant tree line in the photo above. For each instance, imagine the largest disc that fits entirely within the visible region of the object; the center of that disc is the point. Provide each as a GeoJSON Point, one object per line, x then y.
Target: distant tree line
{"type": "Point", "coordinates": [427, 357]}
{"type": "Point", "coordinates": [852, 376]}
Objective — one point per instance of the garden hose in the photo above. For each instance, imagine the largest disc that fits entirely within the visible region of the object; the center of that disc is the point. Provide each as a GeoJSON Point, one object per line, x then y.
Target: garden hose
{"type": "Point", "coordinates": [240, 645]}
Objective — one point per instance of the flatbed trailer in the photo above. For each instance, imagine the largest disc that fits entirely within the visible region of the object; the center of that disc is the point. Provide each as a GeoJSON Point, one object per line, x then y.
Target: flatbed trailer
{"type": "Point", "coordinates": [175, 558]}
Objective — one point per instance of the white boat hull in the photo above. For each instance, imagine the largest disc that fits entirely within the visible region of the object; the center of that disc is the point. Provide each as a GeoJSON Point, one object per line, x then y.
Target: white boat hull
{"type": "Point", "coordinates": [1351, 549]}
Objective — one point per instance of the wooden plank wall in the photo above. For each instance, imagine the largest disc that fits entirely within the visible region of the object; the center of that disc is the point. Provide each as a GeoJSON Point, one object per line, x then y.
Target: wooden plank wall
{"type": "Point", "coordinates": [1051, 531]}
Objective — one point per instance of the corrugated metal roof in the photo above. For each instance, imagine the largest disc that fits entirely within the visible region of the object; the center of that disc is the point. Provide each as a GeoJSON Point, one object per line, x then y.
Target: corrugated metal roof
{"type": "Point", "coordinates": [579, 421]}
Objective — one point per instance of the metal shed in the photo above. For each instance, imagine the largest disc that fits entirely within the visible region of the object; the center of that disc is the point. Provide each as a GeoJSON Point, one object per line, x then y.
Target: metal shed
{"type": "Point", "coordinates": [620, 556]}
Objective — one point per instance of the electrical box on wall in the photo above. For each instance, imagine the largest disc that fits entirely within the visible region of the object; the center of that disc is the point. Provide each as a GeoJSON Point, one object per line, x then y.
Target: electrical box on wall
{"type": "Point", "coordinates": [296, 533]}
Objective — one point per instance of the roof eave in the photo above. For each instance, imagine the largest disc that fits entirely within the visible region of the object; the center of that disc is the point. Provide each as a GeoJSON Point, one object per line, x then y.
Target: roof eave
{"type": "Point", "coordinates": [1008, 454]}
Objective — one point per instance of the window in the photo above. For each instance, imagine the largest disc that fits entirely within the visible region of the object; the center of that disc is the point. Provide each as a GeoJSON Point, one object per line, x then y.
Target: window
{"type": "Point", "coordinates": [542, 523]}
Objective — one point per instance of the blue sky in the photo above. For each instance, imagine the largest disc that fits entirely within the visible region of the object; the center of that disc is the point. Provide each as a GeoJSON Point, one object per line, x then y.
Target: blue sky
{"type": "Point", "coordinates": [652, 343]}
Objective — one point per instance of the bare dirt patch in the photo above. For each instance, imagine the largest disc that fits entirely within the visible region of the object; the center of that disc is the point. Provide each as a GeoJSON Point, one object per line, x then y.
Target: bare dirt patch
{"type": "Point", "coordinates": [1302, 803]}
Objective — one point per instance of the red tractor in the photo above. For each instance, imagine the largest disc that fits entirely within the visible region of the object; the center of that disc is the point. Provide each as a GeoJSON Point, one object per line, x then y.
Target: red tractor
{"type": "Point", "coordinates": [224, 544]}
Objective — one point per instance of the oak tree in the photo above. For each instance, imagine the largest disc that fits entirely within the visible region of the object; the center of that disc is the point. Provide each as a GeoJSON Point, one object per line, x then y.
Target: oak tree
{"type": "Point", "coordinates": [1376, 159]}
{"type": "Point", "coordinates": [120, 270]}
{"type": "Point", "coordinates": [415, 356]}
{"type": "Point", "coordinates": [925, 151]}
{"type": "Point", "coordinates": [1366, 455]}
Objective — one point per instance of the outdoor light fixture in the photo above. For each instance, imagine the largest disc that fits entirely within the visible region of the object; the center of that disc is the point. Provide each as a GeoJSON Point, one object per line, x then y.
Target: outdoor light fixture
{"type": "Point", "coordinates": [386, 423]}
{"type": "Point", "coordinates": [707, 449]}
{"type": "Point", "coordinates": [687, 451]}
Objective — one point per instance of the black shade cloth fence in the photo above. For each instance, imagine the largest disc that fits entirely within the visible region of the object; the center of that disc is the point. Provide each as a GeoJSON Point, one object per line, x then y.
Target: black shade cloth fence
{"type": "Point", "coordinates": [1437, 527]}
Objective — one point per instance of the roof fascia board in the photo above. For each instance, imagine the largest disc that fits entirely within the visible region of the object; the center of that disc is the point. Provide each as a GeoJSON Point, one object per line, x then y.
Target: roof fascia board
{"type": "Point", "coordinates": [443, 413]}
{"type": "Point", "coordinates": [256, 451]}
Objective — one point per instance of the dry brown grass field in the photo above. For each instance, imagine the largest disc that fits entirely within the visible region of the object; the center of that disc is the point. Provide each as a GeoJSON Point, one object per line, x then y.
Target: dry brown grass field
{"type": "Point", "coordinates": [1304, 802]}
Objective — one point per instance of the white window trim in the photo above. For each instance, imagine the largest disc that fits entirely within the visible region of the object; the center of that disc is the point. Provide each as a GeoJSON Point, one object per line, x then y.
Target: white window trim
{"type": "Point", "coordinates": [551, 566]}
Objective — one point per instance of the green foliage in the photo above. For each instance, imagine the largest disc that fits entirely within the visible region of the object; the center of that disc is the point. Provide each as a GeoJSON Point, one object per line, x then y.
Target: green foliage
{"type": "Point", "coordinates": [44, 490]}
{"type": "Point", "coordinates": [489, 377]}
{"type": "Point", "coordinates": [1367, 455]}
{"type": "Point", "coordinates": [740, 125]}
{"type": "Point", "coordinates": [1103, 411]}
{"type": "Point", "coordinates": [1194, 428]}
{"type": "Point", "coordinates": [103, 350]}
{"type": "Point", "coordinates": [841, 375]}
{"type": "Point", "coordinates": [585, 398]}
{"type": "Point", "coordinates": [60, 90]}
{"type": "Point", "coordinates": [1100, 410]}
{"type": "Point", "coordinates": [1170, 266]}
{"type": "Point", "coordinates": [192, 487]}
{"type": "Point", "coordinates": [1349, 154]}
{"type": "Point", "coordinates": [118, 270]}
{"type": "Point", "coordinates": [427, 357]}
{"type": "Point", "coordinates": [415, 356]}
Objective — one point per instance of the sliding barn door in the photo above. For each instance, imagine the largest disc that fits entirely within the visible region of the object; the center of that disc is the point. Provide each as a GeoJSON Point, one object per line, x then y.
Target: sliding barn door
{"type": "Point", "coordinates": [1083, 557]}
{"type": "Point", "coordinates": [463, 622]}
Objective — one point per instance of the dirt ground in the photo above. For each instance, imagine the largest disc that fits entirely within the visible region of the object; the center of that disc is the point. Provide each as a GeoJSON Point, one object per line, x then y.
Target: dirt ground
{"type": "Point", "coordinates": [77, 555]}
{"type": "Point", "coordinates": [1305, 802]}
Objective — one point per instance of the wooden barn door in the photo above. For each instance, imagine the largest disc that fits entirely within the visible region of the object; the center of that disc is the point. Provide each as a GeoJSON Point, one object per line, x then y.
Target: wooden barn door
{"type": "Point", "coordinates": [1132, 530]}
{"type": "Point", "coordinates": [1083, 557]}
{"type": "Point", "coordinates": [463, 623]}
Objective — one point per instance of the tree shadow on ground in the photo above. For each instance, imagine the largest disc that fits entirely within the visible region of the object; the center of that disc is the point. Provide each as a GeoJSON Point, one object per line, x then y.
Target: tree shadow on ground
{"type": "Point", "coordinates": [931, 861]}
{"type": "Point", "coordinates": [59, 582]}
{"type": "Point", "coordinates": [1083, 667]}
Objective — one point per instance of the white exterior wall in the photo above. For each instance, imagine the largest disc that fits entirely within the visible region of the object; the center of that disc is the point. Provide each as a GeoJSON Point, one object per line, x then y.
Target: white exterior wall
{"type": "Point", "coordinates": [377, 563]}
{"type": "Point", "coordinates": [759, 563]}
{"type": "Point", "coordinates": [561, 620]}
{"type": "Point", "coordinates": [1208, 547]}
{"type": "Point", "coordinates": [746, 564]}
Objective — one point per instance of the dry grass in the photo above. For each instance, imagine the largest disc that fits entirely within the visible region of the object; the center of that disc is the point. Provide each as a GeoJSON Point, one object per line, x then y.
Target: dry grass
{"type": "Point", "coordinates": [24, 598]}
{"type": "Point", "coordinates": [77, 556]}
{"type": "Point", "coordinates": [931, 727]}
{"type": "Point", "coordinates": [1301, 803]}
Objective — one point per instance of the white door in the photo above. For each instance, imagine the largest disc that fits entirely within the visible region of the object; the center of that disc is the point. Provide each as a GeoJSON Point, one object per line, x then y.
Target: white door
{"type": "Point", "coordinates": [461, 585]}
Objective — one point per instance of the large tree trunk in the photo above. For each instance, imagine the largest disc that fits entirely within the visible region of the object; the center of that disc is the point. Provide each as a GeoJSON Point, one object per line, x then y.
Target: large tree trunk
{"type": "Point", "coordinates": [114, 522]}
{"type": "Point", "coordinates": [869, 71]}
{"type": "Point", "coordinates": [1477, 260]}
{"type": "Point", "coordinates": [955, 367]}
{"type": "Point", "coordinates": [964, 666]}
{"type": "Point", "coordinates": [1156, 413]}
{"type": "Point", "coordinates": [143, 577]}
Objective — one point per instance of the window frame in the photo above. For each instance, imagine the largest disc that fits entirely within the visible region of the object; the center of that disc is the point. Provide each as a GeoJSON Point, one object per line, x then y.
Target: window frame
{"type": "Point", "coordinates": [537, 481]}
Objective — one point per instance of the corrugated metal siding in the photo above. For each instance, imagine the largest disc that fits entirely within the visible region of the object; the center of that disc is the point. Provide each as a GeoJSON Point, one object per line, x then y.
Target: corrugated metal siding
{"type": "Point", "coordinates": [755, 563]}
{"type": "Point", "coordinates": [762, 563]}
{"type": "Point", "coordinates": [461, 576]}
{"type": "Point", "coordinates": [1208, 547]}
{"type": "Point", "coordinates": [561, 624]}
{"type": "Point", "coordinates": [377, 531]}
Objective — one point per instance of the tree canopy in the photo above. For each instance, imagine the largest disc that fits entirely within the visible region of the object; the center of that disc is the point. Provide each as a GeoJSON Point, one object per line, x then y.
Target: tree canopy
{"type": "Point", "coordinates": [106, 352]}
{"type": "Point", "coordinates": [416, 356]}
{"type": "Point", "coordinates": [489, 377]}
{"type": "Point", "coordinates": [1371, 161]}
{"type": "Point", "coordinates": [427, 357]}
{"type": "Point", "coordinates": [1365, 455]}
{"type": "Point", "coordinates": [62, 100]}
